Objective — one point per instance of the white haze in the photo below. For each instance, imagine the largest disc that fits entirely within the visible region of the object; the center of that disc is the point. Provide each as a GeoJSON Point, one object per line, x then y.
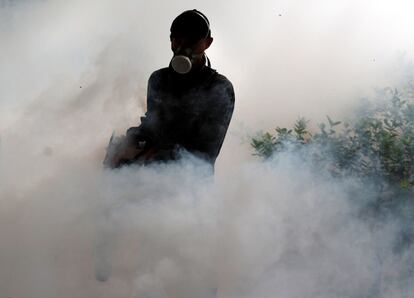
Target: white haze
{"type": "Point", "coordinates": [74, 71]}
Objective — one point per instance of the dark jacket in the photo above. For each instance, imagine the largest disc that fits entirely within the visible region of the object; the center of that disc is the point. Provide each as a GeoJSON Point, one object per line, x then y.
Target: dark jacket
{"type": "Point", "coordinates": [191, 112]}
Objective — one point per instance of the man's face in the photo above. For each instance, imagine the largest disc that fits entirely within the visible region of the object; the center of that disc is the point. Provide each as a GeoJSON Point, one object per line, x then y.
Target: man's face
{"type": "Point", "coordinates": [196, 48]}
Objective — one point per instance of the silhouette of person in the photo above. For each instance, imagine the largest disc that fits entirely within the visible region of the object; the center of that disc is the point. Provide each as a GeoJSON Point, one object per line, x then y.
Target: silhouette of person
{"type": "Point", "coordinates": [189, 104]}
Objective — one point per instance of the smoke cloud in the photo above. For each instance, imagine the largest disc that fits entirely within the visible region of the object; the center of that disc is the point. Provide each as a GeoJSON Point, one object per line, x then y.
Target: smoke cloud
{"type": "Point", "coordinates": [72, 72]}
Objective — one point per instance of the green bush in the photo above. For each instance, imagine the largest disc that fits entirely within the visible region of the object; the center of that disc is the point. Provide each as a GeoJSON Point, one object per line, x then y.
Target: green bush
{"type": "Point", "coordinates": [377, 144]}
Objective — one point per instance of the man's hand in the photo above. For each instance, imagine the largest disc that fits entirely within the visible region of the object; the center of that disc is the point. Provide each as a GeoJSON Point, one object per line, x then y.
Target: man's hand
{"type": "Point", "coordinates": [134, 136]}
{"type": "Point", "coordinates": [133, 132]}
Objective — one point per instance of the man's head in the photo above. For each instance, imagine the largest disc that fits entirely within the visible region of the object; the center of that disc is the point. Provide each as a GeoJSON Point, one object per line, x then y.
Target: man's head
{"type": "Point", "coordinates": [190, 37]}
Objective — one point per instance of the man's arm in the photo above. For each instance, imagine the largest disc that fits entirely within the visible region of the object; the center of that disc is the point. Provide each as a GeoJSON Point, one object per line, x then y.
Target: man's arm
{"type": "Point", "coordinates": [148, 130]}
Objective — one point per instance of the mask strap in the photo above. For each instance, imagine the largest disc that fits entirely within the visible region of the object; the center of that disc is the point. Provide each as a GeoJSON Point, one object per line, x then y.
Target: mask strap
{"type": "Point", "coordinates": [199, 13]}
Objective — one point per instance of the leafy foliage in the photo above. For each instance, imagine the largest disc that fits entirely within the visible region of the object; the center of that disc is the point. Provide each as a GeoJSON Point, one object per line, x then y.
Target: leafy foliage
{"type": "Point", "coordinates": [379, 144]}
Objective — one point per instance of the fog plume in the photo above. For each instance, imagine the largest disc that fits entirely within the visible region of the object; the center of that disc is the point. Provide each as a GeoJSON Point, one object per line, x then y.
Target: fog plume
{"type": "Point", "coordinates": [73, 72]}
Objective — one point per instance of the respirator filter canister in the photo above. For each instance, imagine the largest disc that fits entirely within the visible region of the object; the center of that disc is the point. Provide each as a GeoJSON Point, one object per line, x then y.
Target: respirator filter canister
{"type": "Point", "coordinates": [181, 64]}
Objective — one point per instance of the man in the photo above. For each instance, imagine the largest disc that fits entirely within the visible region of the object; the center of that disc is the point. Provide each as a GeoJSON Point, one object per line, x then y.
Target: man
{"type": "Point", "coordinates": [189, 105]}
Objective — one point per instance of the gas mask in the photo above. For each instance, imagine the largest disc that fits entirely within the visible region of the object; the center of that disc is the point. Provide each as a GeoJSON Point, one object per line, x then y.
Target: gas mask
{"type": "Point", "coordinates": [182, 62]}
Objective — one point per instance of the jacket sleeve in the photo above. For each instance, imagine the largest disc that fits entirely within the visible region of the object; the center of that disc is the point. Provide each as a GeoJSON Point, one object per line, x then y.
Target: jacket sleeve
{"type": "Point", "coordinates": [216, 120]}
{"type": "Point", "coordinates": [149, 129]}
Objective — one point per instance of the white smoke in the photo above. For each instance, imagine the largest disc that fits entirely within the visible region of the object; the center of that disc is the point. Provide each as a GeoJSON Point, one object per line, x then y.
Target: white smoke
{"type": "Point", "coordinates": [71, 72]}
